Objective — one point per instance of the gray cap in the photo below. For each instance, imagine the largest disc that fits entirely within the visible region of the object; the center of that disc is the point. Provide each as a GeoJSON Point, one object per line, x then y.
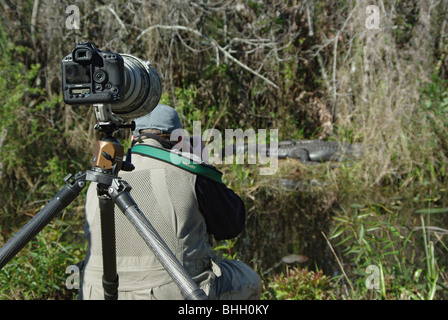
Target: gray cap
{"type": "Point", "coordinates": [163, 118]}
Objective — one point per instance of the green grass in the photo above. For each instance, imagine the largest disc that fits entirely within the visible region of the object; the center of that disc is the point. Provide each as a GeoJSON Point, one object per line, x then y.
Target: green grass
{"type": "Point", "coordinates": [298, 284]}
{"type": "Point", "coordinates": [384, 248]}
{"type": "Point", "coordinates": [39, 270]}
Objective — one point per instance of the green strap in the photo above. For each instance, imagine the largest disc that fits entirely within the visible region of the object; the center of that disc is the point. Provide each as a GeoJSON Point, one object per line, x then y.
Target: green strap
{"type": "Point", "coordinates": [178, 161]}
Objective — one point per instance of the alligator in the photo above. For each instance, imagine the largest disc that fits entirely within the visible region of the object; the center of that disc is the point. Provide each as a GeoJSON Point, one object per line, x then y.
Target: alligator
{"type": "Point", "coordinates": [318, 150]}
{"type": "Point", "coordinates": [311, 151]}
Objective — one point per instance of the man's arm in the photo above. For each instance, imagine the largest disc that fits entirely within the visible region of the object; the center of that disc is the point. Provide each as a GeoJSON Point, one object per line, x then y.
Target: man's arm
{"type": "Point", "coordinates": [223, 210]}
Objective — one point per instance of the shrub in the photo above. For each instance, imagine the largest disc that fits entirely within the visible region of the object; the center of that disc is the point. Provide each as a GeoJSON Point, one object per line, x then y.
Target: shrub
{"type": "Point", "coordinates": [299, 284]}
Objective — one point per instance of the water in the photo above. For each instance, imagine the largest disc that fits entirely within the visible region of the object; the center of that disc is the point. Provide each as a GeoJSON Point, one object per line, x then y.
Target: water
{"type": "Point", "coordinates": [285, 222]}
{"type": "Point", "coordinates": [282, 221]}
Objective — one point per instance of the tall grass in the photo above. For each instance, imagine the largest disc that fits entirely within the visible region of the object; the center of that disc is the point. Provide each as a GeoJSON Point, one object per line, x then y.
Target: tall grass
{"type": "Point", "coordinates": [39, 271]}
{"type": "Point", "coordinates": [389, 253]}
{"type": "Point", "coordinates": [388, 99]}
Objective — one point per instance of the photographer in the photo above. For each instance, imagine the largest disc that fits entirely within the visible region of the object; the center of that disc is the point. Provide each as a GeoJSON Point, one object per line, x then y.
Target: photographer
{"type": "Point", "coordinates": [185, 208]}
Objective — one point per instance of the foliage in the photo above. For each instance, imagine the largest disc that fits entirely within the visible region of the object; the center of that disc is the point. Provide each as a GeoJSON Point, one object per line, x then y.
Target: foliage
{"type": "Point", "coordinates": [39, 271]}
{"type": "Point", "coordinates": [388, 255]}
{"type": "Point", "coordinates": [311, 69]}
{"type": "Point", "coordinates": [224, 249]}
{"type": "Point", "coordinates": [35, 157]}
{"type": "Point", "coordinates": [434, 113]}
{"type": "Point", "coordinates": [299, 284]}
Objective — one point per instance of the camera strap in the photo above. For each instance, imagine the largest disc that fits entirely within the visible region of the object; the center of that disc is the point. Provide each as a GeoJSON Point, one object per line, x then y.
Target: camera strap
{"type": "Point", "coordinates": [178, 160]}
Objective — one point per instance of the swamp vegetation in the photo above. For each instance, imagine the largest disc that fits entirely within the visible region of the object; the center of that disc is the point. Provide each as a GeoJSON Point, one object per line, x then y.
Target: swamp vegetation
{"type": "Point", "coordinates": [371, 228]}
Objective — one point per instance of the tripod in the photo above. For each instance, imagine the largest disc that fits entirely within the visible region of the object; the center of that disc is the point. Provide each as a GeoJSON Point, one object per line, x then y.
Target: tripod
{"type": "Point", "coordinates": [107, 161]}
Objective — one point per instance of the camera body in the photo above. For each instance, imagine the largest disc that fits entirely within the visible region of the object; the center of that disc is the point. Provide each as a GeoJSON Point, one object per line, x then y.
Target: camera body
{"type": "Point", "coordinates": [124, 86]}
{"type": "Point", "coordinates": [91, 76]}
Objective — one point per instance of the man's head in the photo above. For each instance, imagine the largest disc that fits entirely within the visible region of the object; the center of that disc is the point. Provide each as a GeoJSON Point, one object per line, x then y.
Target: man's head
{"type": "Point", "coordinates": [162, 120]}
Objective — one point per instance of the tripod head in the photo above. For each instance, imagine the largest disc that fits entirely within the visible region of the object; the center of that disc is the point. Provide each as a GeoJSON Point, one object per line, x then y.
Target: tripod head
{"type": "Point", "coordinates": [108, 154]}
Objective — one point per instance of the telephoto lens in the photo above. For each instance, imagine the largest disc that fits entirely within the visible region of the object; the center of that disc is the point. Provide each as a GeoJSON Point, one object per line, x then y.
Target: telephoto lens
{"type": "Point", "coordinates": [142, 89]}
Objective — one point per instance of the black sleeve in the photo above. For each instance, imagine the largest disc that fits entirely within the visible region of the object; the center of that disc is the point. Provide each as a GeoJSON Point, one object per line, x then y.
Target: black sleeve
{"type": "Point", "coordinates": [223, 210]}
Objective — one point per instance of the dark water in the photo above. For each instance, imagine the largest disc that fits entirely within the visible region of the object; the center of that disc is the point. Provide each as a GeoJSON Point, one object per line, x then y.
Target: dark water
{"type": "Point", "coordinates": [287, 222]}
{"type": "Point", "coordinates": [282, 222]}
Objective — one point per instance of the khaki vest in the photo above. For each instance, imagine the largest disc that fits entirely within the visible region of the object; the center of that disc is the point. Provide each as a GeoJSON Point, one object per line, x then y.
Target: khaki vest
{"type": "Point", "coordinates": [166, 195]}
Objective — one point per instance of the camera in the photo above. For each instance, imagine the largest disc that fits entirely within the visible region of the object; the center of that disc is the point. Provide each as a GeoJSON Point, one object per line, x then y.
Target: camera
{"type": "Point", "coordinates": [92, 76]}
{"type": "Point", "coordinates": [130, 86]}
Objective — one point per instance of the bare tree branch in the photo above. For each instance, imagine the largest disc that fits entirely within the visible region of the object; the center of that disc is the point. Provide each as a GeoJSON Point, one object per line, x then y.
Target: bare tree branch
{"type": "Point", "coordinates": [118, 18]}
{"type": "Point", "coordinates": [34, 21]}
{"type": "Point", "coordinates": [213, 43]}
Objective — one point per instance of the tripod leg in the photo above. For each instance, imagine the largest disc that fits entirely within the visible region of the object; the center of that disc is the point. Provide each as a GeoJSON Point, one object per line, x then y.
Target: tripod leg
{"type": "Point", "coordinates": [60, 201]}
{"type": "Point", "coordinates": [110, 277]}
{"type": "Point", "coordinates": [119, 191]}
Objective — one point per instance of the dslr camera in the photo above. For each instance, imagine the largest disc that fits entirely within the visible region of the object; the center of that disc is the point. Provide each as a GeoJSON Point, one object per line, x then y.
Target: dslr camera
{"type": "Point", "coordinates": [128, 84]}
{"type": "Point", "coordinates": [92, 76]}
